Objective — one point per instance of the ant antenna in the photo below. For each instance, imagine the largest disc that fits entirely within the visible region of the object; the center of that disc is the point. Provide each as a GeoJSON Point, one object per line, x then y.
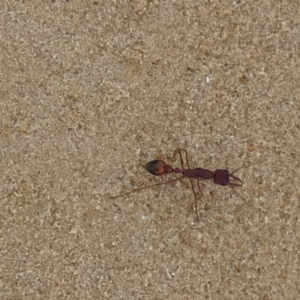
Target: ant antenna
{"type": "Point", "coordinates": [248, 166]}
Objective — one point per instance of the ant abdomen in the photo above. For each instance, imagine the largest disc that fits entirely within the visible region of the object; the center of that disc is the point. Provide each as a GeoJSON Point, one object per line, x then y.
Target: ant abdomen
{"type": "Point", "coordinates": [158, 167]}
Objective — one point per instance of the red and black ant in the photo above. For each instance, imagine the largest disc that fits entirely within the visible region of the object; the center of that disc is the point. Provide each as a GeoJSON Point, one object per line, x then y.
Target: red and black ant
{"type": "Point", "coordinates": [219, 176]}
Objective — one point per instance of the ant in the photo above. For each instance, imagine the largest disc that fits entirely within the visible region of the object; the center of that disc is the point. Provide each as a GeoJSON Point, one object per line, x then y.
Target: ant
{"type": "Point", "coordinates": [219, 176]}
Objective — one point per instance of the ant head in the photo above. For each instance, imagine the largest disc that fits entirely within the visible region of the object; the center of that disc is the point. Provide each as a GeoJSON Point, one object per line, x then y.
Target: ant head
{"type": "Point", "coordinates": [221, 177]}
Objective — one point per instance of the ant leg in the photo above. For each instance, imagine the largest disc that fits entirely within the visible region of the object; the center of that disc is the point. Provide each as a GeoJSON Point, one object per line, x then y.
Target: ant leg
{"type": "Point", "coordinates": [179, 152]}
{"type": "Point", "coordinates": [186, 158]}
{"type": "Point", "coordinates": [197, 197]}
{"type": "Point", "coordinates": [147, 187]}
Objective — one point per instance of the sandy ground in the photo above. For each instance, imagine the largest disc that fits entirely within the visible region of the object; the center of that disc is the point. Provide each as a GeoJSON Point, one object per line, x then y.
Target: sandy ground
{"type": "Point", "coordinates": [91, 91]}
